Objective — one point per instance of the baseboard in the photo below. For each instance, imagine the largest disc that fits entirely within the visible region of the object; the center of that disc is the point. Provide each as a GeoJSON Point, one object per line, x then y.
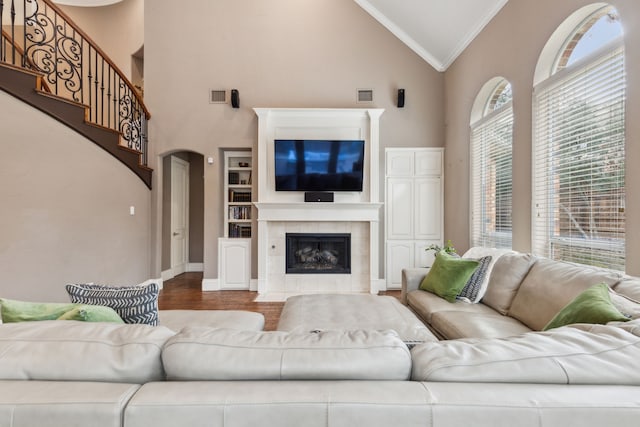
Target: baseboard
{"type": "Point", "coordinates": [167, 274]}
{"type": "Point", "coordinates": [210, 285]}
{"type": "Point", "coordinates": [195, 267]}
{"type": "Point", "coordinates": [253, 285]}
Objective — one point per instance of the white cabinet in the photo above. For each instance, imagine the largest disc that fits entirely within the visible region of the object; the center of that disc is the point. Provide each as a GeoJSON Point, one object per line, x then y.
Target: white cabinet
{"type": "Point", "coordinates": [413, 208]}
{"type": "Point", "coordinates": [234, 263]}
{"type": "Point", "coordinates": [234, 250]}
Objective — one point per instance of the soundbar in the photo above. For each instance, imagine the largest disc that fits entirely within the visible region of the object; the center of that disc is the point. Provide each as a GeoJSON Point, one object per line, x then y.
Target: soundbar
{"type": "Point", "coordinates": [318, 196]}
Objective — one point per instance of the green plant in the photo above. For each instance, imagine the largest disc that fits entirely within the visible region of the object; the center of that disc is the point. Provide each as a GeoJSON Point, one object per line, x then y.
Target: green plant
{"type": "Point", "coordinates": [448, 248]}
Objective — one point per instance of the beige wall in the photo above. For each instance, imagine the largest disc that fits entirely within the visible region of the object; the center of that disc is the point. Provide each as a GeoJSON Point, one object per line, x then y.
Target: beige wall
{"type": "Point", "coordinates": [64, 216]}
{"type": "Point", "coordinates": [277, 53]}
{"type": "Point", "coordinates": [509, 46]}
{"type": "Point", "coordinates": [118, 29]}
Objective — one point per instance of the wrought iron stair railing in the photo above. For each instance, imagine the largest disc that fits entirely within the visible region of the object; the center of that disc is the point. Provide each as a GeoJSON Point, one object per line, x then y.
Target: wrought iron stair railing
{"type": "Point", "coordinates": [38, 36]}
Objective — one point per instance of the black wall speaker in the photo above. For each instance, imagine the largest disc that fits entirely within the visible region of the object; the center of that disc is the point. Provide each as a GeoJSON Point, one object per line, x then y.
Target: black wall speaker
{"type": "Point", "coordinates": [400, 98]}
{"type": "Point", "coordinates": [235, 98]}
{"type": "Point", "coordinates": [318, 196]}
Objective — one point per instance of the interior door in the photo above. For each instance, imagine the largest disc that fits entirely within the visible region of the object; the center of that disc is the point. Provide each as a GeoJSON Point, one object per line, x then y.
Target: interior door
{"type": "Point", "coordinates": [179, 215]}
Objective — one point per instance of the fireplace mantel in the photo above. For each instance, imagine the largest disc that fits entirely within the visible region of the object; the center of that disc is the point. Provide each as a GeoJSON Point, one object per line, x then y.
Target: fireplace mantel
{"type": "Point", "coordinates": [320, 211]}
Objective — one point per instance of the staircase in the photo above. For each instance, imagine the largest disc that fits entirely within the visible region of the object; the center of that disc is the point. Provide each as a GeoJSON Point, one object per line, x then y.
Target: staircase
{"type": "Point", "coordinates": [51, 64]}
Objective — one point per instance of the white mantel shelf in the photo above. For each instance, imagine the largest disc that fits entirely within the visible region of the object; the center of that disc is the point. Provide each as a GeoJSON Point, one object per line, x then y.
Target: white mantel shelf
{"type": "Point", "coordinates": [319, 211]}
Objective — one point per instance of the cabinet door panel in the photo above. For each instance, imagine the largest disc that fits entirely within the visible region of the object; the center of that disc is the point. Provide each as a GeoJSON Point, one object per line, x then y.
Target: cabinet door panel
{"type": "Point", "coordinates": [399, 163]}
{"type": "Point", "coordinates": [399, 255]}
{"type": "Point", "coordinates": [428, 163]}
{"type": "Point", "coordinates": [400, 208]}
{"type": "Point", "coordinates": [428, 209]}
{"type": "Point", "coordinates": [234, 263]}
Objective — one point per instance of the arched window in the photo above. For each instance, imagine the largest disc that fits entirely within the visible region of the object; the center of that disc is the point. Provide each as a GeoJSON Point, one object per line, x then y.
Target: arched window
{"type": "Point", "coordinates": [491, 171]}
{"type": "Point", "coordinates": [579, 146]}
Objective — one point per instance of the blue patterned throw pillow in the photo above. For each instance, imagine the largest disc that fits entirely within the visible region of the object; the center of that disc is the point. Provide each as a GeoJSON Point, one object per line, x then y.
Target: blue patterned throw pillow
{"type": "Point", "coordinates": [134, 304]}
{"type": "Point", "coordinates": [474, 283]}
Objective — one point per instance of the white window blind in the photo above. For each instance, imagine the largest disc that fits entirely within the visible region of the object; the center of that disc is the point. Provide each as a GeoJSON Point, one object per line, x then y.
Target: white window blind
{"type": "Point", "coordinates": [579, 163]}
{"type": "Point", "coordinates": [491, 179]}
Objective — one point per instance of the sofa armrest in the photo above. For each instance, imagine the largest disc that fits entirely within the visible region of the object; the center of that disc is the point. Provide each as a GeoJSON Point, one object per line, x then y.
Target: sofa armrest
{"type": "Point", "coordinates": [411, 278]}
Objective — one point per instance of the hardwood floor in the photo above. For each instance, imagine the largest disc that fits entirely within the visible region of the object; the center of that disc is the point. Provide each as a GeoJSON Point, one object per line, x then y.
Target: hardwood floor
{"type": "Point", "coordinates": [185, 292]}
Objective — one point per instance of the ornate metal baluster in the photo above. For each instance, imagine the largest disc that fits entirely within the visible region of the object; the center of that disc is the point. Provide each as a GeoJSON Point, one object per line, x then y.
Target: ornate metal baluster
{"type": "Point", "coordinates": [89, 85]}
{"type": "Point", "coordinates": [115, 102]}
{"type": "Point", "coordinates": [13, 32]}
{"type": "Point", "coordinates": [96, 85]}
{"type": "Point", "coordinates": [2, 40]}
{"type": "Point", "coordinates": [109, 98]}
{"type": "Point", "coordinates": [102, 95]}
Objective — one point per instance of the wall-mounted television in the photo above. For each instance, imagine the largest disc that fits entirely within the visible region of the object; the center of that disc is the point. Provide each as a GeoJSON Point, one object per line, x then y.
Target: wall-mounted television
{"type": "Point", "coordinates": [318, 165]}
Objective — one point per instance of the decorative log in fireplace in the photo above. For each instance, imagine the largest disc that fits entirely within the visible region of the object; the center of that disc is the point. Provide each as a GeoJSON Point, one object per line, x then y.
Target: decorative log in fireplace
{"type": "Point", "coordinates": [318, 253]}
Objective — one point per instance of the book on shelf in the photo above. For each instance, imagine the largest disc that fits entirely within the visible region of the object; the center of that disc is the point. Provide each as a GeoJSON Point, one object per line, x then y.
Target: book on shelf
{"type": "Point", "coordinates": [239, 230]}
{"type": "Point", "coordinates": [239, 212]}
{"type": "Point", "coordinates": [239, 196]}
{"type": "Point", "coordinates": [234, 178]}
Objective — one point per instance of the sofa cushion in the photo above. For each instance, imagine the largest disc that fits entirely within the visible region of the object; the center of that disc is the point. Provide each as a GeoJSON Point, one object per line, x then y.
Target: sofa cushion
{"type": "Point", "coordinates": [600, 355]}
{"type": "Point", "coordinates": [506, 277]}
{"type": "Point", "coordinates": [478, 252]}
{"type": "Point", "coordinates": [234, 319]}
{"type": "Point", "coordinates": [448, 275]}
{"type": "Point", "coordinates": [424, 304]}
{"type": "Point", "coordinates": [453, 325]}
{"type": "Point", "coordinates": [200, 353]}
{"type": "Point", "coordinates": [629, 287]}
{"type": "Point", "coordinates": [591, 306]}
{"type": "Point", "coordinates": [627, 306]}
{"type": "Point", "coordinates": [134, 304]}
{"type": "Point", "coordinates": [78, 351]}
{"type": "Point", "coordinates": [26, 311]}
{"type": "Point", "coordinates": [549, 286]}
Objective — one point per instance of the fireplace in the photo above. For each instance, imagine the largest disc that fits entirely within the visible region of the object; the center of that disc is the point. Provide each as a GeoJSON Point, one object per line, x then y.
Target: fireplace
{"type": "Point", "coordinates": [318, 253]}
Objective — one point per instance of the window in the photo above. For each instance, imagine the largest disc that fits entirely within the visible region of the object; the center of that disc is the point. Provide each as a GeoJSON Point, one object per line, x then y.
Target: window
{"type": "Point", "coordinates": [579, 149]}
{"type": "Point", "coordinates": [491, 171]}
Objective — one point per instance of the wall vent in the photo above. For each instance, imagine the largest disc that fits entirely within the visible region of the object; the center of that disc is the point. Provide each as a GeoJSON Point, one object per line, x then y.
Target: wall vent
{"type": "Point", "coordinates": [217, 96]}
{"type": "Point", "coordinates": [365, 96]}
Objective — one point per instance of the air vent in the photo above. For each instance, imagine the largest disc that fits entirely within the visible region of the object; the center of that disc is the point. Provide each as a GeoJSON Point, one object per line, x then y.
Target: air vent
{"type": "Point", "coordinates": [218, 97]}
{"type": "Point", "coordinates": [365, 96]}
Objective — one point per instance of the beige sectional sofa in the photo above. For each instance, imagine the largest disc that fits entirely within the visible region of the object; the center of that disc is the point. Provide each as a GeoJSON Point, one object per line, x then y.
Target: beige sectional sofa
{"type": "Point", "coordinates": [523, 294]}
{"type": "Point", "coordinates": [495, 368]}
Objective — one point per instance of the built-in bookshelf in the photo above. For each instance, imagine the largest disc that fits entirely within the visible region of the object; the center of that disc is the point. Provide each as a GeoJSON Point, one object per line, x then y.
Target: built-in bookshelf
{"type": "Point", "coordinates": [237, 189]}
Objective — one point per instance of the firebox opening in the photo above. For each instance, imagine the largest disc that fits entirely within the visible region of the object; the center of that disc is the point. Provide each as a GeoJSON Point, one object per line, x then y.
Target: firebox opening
{"type": "Point", "coordinates": [318, 253]}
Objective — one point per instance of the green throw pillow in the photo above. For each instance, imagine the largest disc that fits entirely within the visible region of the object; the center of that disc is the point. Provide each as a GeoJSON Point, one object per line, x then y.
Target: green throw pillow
{"type": "Point", "coordinates": [24, 311]}
{"type": "Point", "coordinates": [591, 306]}
{"type": "Point", "coordinates": [448, 275]}
{"type": "Point", "coordinates": [92, 313]}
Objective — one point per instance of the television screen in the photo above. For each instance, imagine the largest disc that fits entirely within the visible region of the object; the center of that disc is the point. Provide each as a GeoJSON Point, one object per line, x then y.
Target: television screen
{"type": "Point", "coordinates": [318, 165]}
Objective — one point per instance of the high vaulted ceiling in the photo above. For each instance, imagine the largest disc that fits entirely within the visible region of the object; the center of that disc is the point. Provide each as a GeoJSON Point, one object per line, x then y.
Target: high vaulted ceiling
{"type": "Point", "coordinates": [437, 30]}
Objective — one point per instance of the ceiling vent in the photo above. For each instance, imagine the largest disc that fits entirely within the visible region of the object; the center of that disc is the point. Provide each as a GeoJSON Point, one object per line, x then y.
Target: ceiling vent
{"type": "Point", "coordinates": [365, 96]}
{"type": "Point", "coordinates": [217, 96]}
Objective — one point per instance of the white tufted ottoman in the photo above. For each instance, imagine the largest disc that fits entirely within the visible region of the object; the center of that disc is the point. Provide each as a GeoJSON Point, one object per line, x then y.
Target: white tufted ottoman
{"type": "Point", "coordinates": [350, 312]}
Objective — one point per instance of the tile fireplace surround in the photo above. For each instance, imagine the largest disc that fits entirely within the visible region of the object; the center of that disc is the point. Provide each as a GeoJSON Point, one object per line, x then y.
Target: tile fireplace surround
{"type": "Point", "coordinates": [356, 213]}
